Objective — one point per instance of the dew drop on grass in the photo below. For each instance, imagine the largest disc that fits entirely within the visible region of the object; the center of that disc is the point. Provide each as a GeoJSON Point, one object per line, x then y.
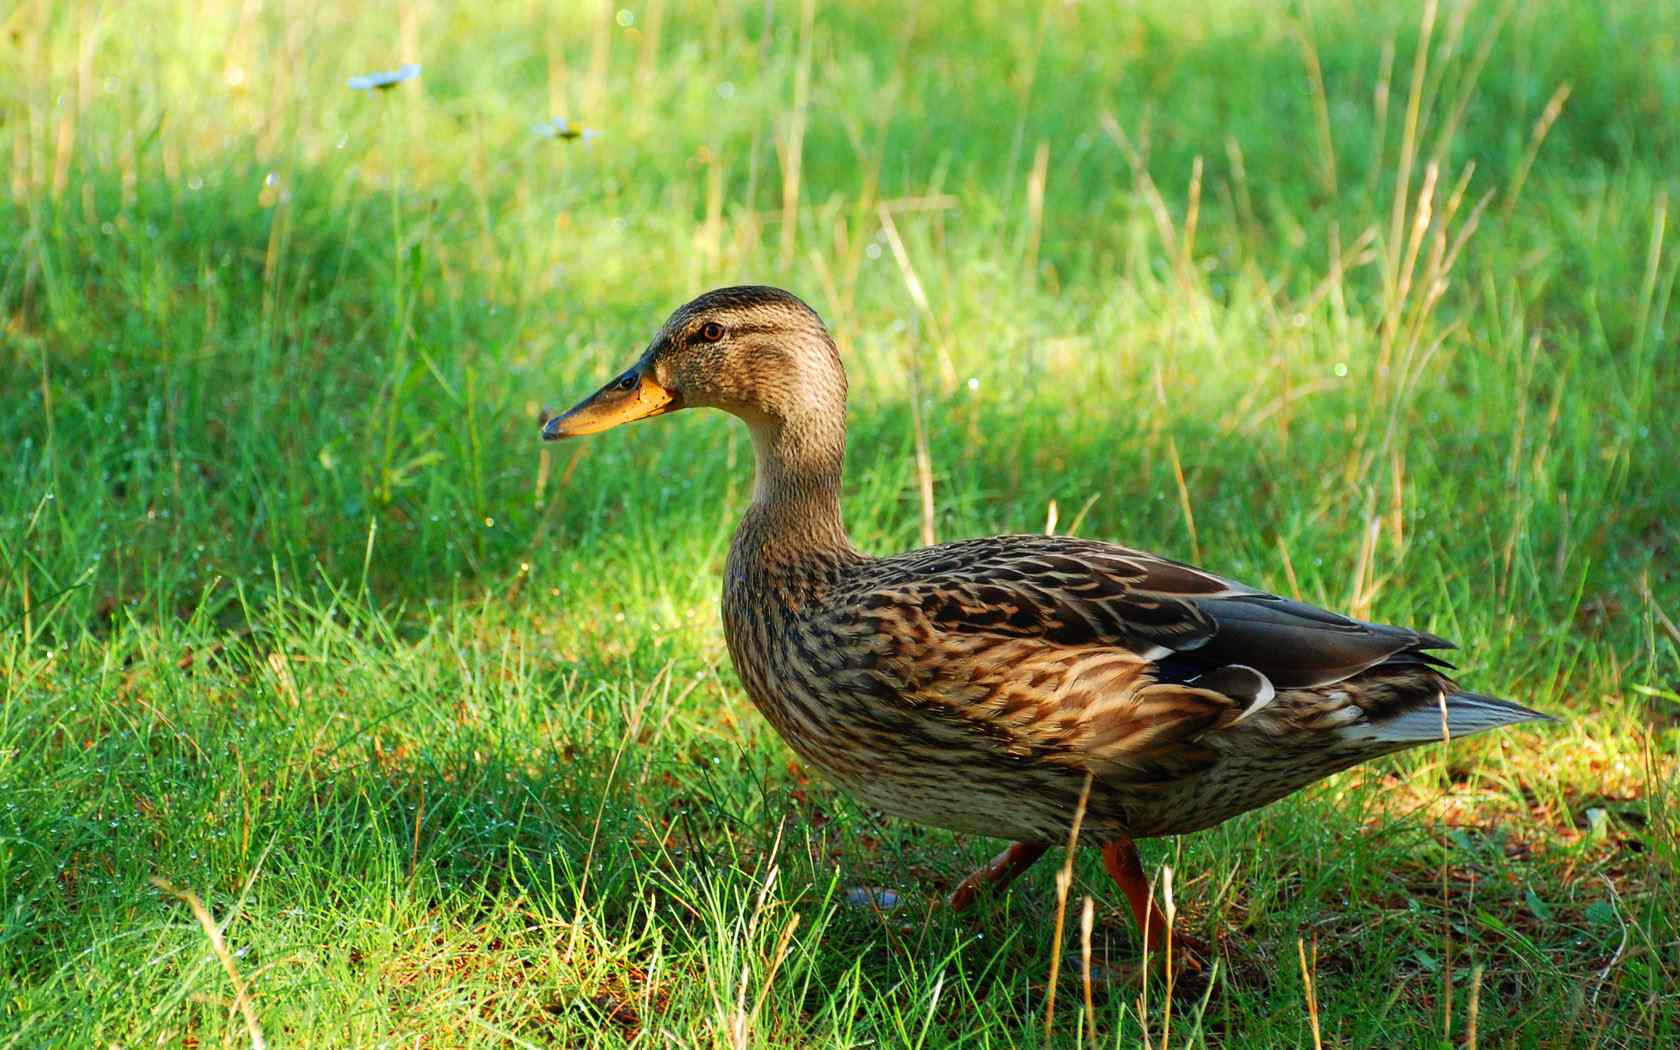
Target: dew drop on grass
{"type": "Point", "coordinates": [625, 18]}
{"type": "Point", "coordinates": [1341, 369]}
{"type": "Point", "coordinates": [272, 192]}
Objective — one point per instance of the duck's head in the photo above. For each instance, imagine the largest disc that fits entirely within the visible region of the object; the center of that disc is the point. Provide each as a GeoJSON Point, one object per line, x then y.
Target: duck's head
{"type": "Point", "coordinates": [756, 352]}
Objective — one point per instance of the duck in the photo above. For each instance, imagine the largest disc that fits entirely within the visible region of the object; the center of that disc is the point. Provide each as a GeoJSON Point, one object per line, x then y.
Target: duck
{"type": "Point", "coordinates": [1039, 689]}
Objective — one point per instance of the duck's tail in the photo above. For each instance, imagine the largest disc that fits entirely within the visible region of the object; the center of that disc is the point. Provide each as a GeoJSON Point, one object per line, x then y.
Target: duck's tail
{"type": "Point", "coordinates": [1461, 714]}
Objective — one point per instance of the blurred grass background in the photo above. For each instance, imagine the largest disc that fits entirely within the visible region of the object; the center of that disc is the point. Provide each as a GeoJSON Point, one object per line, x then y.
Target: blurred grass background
{"type": "Point", "coordinates": [1372, 304]}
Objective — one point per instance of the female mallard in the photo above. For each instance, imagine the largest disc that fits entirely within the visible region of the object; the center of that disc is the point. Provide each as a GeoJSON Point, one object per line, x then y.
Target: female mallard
{"type": "Point", "coordinates": [979, 685]}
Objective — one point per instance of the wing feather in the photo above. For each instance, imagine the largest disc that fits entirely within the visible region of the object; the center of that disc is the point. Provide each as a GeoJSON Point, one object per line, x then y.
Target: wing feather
{"type": "Point", "coordinates": [1081, 593]}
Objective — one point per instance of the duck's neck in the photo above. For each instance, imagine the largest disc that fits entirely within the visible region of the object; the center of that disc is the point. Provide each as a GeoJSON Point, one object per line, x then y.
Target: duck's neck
{"type": "Point", "coordinates": [794, 520]}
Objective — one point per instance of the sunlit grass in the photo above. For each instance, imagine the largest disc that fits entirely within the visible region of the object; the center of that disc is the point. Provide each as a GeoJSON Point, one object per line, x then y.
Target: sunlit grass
{"type": "Point", "coordinates": [299, 616]}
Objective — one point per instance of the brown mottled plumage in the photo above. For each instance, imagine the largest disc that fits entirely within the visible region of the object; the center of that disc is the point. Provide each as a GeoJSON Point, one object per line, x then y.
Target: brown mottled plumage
{"type": "Point", "coordinates": [977, 685]}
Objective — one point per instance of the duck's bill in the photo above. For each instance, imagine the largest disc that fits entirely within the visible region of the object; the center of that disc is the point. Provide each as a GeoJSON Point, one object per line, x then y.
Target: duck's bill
{"type": "Point", "coordinates": [632, 396]}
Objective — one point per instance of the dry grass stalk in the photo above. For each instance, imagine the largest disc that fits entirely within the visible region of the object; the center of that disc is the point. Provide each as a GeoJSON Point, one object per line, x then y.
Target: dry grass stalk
{"type": "Point", "coordinates": [791, 147]}
{"type": "Point", "coordinates": [918, 295]}
{"type": "Point", "coordinates": [1310, 988]}
{"type": "Point", "coordinates": [1467, 87]}
{"type": "Point", "coordinates": [1064, 880]}
{"type": "Point", "coordinates": [924, 457]}
{"type": "Point", "coordinates": [1321, 105]}
{"type": "Point", "coordinates": [1170, 911]}
{"type": "Point", "coordinates": [776, 957]}
{"type": "Point", "coordinates": [241, 994]}
{"type": "Point", "coordinates": [284, 684]}
{"type": "Point", "coordinates": [1364, 590]}
{"type": "Point", "coordinates": [741, 1021]}
{"type": "Point", "coordinates": [1239, 183]}
{"type": "Point", "coordinates": [1475, 1008]}
{"type": "Point", "coordinates": [1548, 117]}
{"type": "Point", "coordinates": [1035, 207]}
{"type": "Point", "coordinates": [1192, 216]}
{"type": "Point", "coordinates": [1140, 174]}
{"type": "Point", "coordinates": [1178, 473]}
{"type": "Point", "coordinates": [1087, 917]}
{"type": "Point", "coordinates": [1408, 146]}
{"type": "Point", "coordinates": [1401, 285]}
{"type": "Point", "coordinates": [1289, 570]}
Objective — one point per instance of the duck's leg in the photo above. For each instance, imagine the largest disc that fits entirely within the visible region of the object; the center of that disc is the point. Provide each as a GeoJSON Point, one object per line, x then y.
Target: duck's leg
{"type": "Point", "coordinates": [1120, 857]}
{"type": "Point", "coordinates": [999, 873]}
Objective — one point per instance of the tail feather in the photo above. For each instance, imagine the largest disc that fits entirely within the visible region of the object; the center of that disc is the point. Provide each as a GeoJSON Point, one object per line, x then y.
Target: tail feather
{"type": "Point", "coordinates": [1466, 715]}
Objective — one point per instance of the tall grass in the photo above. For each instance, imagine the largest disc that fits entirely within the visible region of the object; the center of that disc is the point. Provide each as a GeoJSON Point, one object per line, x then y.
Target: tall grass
{"type": "Point", "coordinates": [336, 710]}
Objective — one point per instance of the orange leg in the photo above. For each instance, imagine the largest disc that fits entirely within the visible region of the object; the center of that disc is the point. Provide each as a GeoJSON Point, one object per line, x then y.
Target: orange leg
{"type": "Point", "coordinates": [1002, 870]}
{"type": "Point", "coordinates": [1120, 857]}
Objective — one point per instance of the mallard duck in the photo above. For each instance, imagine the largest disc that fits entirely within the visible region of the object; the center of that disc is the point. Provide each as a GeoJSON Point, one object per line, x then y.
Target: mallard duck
{"type": "Point", "coordinates": [986, 686]}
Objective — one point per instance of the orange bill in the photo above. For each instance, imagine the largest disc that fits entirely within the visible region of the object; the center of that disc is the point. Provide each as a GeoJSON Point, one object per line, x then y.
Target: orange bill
{"type": "Point", "coordinates": [632, 396]}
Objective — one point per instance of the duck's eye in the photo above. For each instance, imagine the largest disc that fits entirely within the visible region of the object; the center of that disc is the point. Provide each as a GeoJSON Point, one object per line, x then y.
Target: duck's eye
{"type": "Point", "coordinates": [627, 381]}
{"type": "Point", "coordinates": [711, 331]}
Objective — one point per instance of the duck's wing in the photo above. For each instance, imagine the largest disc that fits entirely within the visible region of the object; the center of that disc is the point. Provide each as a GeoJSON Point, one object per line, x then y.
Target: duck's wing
{"type": "Point", "coordinates": [1104, 656]}
{"type": "Point", "coordinates": [1189, 622]}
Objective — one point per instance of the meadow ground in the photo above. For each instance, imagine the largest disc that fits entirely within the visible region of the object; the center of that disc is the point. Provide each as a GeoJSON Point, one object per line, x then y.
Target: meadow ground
{"type": "Point", "coordinates": [1372, 304]}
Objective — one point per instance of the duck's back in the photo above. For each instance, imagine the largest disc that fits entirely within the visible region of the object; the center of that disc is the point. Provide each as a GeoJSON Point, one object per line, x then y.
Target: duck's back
{"type": "Point", "coordinates": [975, 685]}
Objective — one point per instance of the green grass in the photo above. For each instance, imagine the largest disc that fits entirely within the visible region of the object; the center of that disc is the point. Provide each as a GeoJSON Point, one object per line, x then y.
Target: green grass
{"type": "Point", "coordinates": [298, 616]}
